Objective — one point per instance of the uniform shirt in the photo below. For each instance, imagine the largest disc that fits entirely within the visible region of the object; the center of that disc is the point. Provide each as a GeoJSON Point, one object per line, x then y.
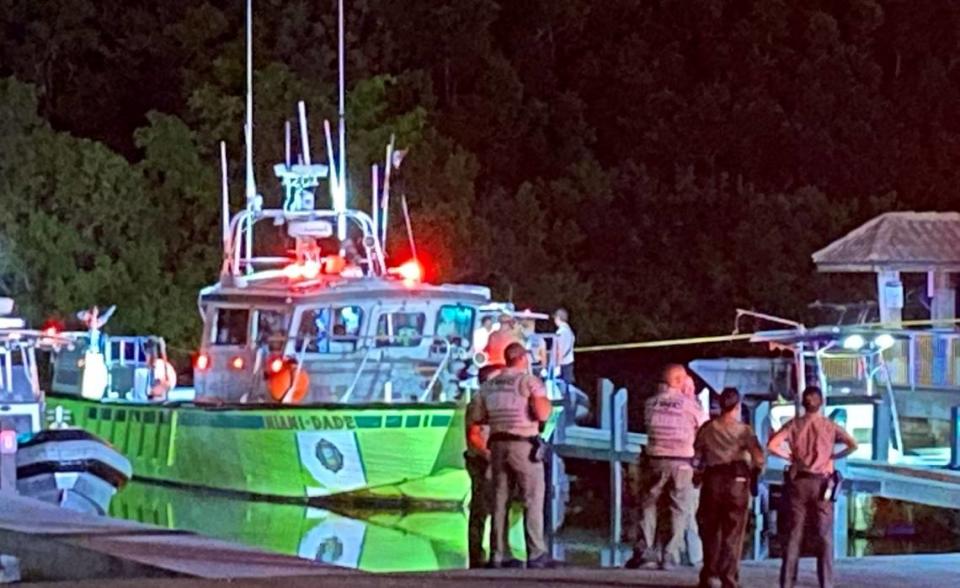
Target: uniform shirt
{"type": "Point", "coordinates": [672, 419]}
{"type": "Point", "coordinates": [566, 339]}
{"type": "Point", "coordinates": [812, 439]}
{"type": "Point", "coordinates": [498, 342]}
{"type": "Point", "coordinates": [720, 442]}
{"type": "Point", "coordinates": [503, 403]}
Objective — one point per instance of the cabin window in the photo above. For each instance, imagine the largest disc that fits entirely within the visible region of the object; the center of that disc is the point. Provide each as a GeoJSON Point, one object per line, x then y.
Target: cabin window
{"type": "Point", "coordinates": [329, 330]}
{"type": "Point", "coordinates": [230, 326]}
{"type": "Point", "coordinates": [400, 329]}
{"type": "Point", "coordinates": [455, 322]}
{"type": "Point", "coordinates": [271, 329]}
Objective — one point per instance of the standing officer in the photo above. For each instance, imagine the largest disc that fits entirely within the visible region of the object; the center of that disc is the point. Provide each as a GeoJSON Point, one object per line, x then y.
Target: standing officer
{"type": "Point", "coordinates": [513, 404]}
{"type": "Point", "coordinates": [672, 419]}
{"type": "Point", "coordinates": [812, 439]}
{"type": "Point", "coordinates": [729, 450]}
{"type": "Point", "coordinates": [477, 461]}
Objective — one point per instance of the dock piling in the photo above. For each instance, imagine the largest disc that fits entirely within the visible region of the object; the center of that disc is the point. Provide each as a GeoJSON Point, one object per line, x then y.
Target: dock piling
{"type": "Point", "coordinates": [954, 438]}
{"type": "Point", "coordinates": [8, 459]}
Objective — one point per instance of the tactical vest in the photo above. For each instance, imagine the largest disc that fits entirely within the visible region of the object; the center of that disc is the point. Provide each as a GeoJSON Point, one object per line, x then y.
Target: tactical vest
{"type": "Point", "coordinates": [508, 410]}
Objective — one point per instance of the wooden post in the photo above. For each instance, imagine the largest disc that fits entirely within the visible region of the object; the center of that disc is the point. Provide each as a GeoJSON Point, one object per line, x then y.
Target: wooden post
{"type": "Point", "coordinates": [882, 420]}
{"type": "Point", "coordinates": [616, 403]}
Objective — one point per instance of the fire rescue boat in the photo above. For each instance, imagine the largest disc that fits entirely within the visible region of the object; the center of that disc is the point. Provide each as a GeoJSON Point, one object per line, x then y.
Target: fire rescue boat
{"type": "Point", "coordinates": [326, 372]}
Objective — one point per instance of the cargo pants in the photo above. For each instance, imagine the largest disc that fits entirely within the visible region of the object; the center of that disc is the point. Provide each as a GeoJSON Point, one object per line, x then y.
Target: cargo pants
{"type": "Point", "coordinates": [675, 478]}
{"type": "Point", "coordinates": [805, 498]}
{"type": "Point", "coordinates": [724, 500]}
{"type": "Point", "coordinates": [512, 466]}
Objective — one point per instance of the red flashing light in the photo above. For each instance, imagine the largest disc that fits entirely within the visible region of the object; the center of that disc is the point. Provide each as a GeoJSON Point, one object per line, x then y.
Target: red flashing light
{"type": "Point", "coordinates": [202, 362]}
{"type": "Point", "coordinates": [237, 363]}
{"type": "Point", "coordinates": [307, 270]}
{"type": "Point", "coordinates": [411, 271]}
{"type": "Point", "coordinates": [275, 365]}
{"type": "Point", "coordinates": [51, 328]}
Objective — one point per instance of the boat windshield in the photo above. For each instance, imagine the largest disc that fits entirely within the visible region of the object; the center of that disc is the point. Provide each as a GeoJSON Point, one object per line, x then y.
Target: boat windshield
{"type": "Point", "coordinates": [455, 322]}
{"type": "Point", "coordinates": [230, 326]}
{"type": "Point", "coordinates": [329, 329]}
{"type": "Point", "coordinates": [400, 329]}
{"type": "Point", "coordinates": [272, 326]}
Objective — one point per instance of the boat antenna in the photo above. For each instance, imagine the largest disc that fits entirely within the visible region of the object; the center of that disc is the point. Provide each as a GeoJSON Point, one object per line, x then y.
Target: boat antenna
{"type": "Point", "coordinates": [375, 200]}
{"type": "Point", "coordinates": [251, 183]}
{"type": "Point", "coordinates": [386, 191]}
{"type": "Point", "coordinates": [286, 142]}
{"type": "Point", "coordinates": [340, 204]}
{"type": "Point", "coordinates": [406, 219]}
{"type": "Point", "coordinates": [304, 136]}
{"type": "Point", "coordinates": [225, 195]}
{"type": "Point", "coordinates": [334, 183]}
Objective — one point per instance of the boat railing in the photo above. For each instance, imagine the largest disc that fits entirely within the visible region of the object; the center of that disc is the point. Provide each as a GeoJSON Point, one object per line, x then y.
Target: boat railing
{"type": "Point", "coordinates": [237, 262]}
{"type": "Point", "coordinates": [921, 359]}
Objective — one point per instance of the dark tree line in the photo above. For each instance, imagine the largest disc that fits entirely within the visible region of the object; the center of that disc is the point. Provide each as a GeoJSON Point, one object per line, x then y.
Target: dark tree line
{"type": "Point", "coordinates": [651, 164]}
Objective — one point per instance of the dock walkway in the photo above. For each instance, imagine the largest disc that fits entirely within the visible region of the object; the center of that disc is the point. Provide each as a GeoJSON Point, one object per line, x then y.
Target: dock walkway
{"type": "Point", "coordinates": [903, 571]}
{"type": "Point", "coordinates": [56, 544]}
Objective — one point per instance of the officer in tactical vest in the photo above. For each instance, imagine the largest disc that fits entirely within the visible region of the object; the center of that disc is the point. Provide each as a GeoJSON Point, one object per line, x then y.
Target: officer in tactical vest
{"type": "Point", "coordinates": [672, 419]}
{"type": "Point", "coordinates": [513, 404]}
{"type": "Point", "coordinates": [477, 461]}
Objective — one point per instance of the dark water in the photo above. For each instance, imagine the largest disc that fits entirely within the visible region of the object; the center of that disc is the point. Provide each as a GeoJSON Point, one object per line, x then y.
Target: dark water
{"type": "Point", "coordinates": [385, 540]}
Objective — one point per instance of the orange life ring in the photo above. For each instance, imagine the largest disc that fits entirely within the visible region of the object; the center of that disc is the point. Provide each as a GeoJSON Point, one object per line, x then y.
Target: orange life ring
{"type": "Point", "coordinates": [278, 383]}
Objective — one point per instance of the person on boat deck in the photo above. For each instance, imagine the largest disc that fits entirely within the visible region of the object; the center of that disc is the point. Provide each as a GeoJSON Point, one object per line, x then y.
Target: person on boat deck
{"type": "Point", "coordinates": [514, 404]}
{"type": "Point", "coordinates": [162, 376]}
{"type": "Point", "coordinates": [566, 339]}
{"type": "Point", "coordinates": [501, 339]}
{"type": "Point", "coordinates": [482, 334]}
{"type": "Point", "coordinates": [535, 344]}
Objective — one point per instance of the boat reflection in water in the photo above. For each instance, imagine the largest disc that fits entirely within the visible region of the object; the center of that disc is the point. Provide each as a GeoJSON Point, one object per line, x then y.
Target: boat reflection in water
{"type": "Point", "coordinates": [376, 541]}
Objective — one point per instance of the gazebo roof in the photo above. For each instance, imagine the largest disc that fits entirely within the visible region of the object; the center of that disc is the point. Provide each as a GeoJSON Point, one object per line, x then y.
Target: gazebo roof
{"type": "Point", "coordinates": [904, 241]}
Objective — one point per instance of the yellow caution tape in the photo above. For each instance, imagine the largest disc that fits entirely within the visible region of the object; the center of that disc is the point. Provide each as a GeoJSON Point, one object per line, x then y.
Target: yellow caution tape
{"type": "Point", "coordinates": [745, 336]}
{"type": "Point", "coordinates": [665, 343]}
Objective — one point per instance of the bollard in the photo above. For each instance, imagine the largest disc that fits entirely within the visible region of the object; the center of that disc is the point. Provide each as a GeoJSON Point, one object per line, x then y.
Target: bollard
{"type": "Point", "coordinates": [882, 420]}
{"type": "Point", "coordinates": [8, 461]}
{"type": "Point", "coordinates": [954, 438]}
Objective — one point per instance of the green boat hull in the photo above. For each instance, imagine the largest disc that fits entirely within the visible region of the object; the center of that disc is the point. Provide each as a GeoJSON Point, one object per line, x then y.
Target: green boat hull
{"type": "Point", "coordinates": [394, 453]}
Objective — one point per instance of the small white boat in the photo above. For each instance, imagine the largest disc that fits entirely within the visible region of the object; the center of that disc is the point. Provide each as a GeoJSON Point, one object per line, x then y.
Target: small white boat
{"type": "Point", "coordinates": [72, 468]}
{"type": "Point", "coordinates": [66, 466]}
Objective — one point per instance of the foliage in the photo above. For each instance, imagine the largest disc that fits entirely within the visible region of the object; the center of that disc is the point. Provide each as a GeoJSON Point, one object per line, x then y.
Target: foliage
{"type": "Point", "coordinates": [651, 165]}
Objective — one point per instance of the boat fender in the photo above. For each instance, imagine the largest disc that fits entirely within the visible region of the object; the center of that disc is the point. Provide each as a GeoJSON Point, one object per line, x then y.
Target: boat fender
{"type": "Point", "coordinates": [284, 384]}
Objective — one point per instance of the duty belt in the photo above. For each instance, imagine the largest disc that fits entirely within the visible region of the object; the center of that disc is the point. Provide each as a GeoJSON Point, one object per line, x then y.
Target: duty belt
{"type": "Point", "coordinates": [733, 469]}
{"type": "Point", "coordinates": [511, 437]}
{"type": "Point", "coordinates": [806, 475]}
{"type": "Point", "coordinates": [688, 460]}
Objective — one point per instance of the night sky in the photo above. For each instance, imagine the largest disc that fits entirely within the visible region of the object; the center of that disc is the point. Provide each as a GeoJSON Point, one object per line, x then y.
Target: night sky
{"type": "Point", "coordinates": [651, 165]}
